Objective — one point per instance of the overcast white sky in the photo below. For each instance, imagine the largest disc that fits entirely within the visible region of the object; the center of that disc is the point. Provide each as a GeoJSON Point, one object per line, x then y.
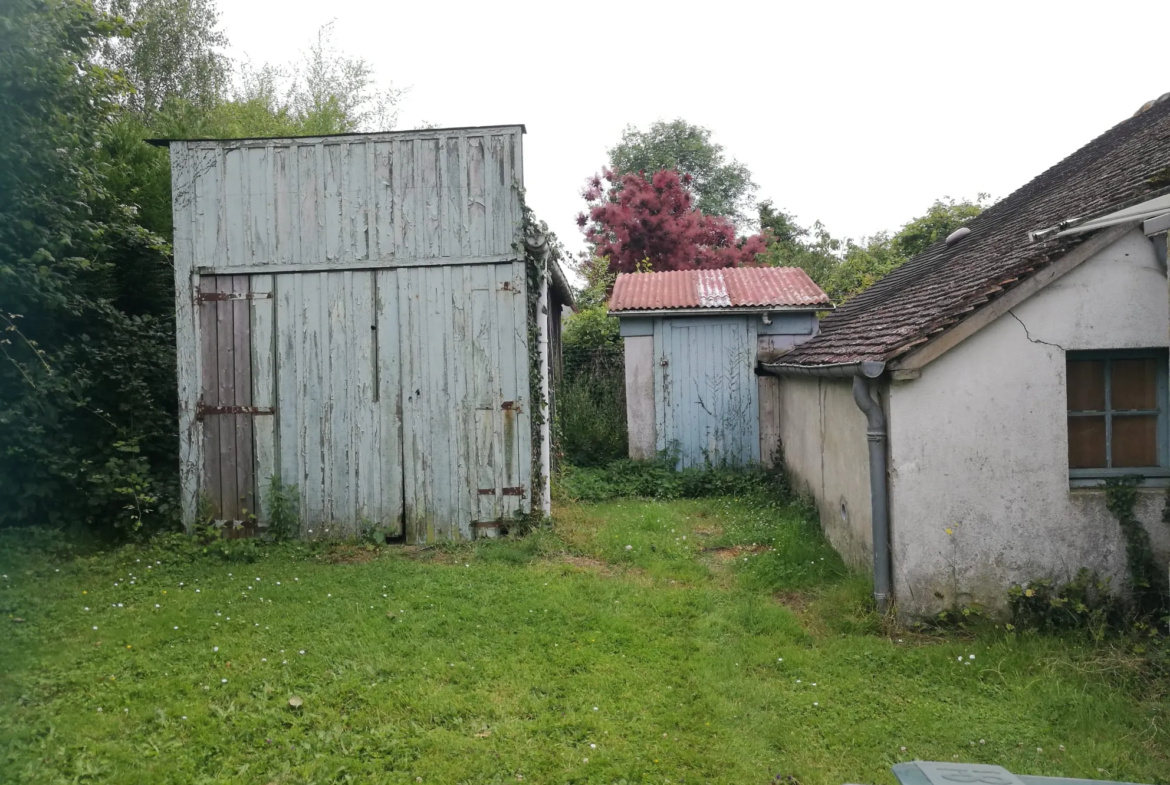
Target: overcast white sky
{"type": "Point", "coordinates": [856, 114]}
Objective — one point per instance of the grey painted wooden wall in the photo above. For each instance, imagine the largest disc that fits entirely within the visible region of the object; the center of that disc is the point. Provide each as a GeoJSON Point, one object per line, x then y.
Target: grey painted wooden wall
{"type": "Point", "coordinates": [352, 319]}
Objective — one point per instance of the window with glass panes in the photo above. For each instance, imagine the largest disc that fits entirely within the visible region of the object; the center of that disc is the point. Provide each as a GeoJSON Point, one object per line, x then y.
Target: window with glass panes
{"type": "Point", "coordinates": [1117, 423]}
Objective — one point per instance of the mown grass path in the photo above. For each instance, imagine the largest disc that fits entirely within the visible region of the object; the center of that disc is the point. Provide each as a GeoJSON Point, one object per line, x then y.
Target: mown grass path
{"type": "Point", "coordinates": [701, 641]}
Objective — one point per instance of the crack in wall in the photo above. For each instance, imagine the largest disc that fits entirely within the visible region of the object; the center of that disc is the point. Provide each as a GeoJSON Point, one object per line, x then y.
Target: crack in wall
{"type": "Point", "coordinates": [1028, 334]}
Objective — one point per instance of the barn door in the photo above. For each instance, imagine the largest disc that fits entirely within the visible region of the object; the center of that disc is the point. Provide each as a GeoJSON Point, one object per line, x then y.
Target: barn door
{"type": "Point", "coordinates": [226, 402]}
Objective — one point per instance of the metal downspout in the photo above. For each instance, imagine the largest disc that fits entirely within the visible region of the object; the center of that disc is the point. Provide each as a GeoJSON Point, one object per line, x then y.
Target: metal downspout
{"type": "Point", "coordinates": [875, 434]}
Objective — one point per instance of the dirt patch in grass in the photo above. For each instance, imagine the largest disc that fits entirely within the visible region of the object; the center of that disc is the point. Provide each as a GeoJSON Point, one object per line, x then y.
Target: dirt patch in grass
{"type": "Point", "coordinates": [351, 554]}
{"type": "Point", "coordinates": [724, 555]}
{"type": "Point", "coordinates": [797, 602]}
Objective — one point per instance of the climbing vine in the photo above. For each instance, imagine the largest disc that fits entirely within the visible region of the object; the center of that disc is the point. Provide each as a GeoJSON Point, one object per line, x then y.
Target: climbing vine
{"type": "Point", "coordinates": [1147, 582]}
{"type": "Point", "coordinates": [535, 268]}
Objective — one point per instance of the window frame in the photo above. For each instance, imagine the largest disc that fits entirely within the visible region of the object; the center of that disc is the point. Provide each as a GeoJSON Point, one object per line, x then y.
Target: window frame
{"type": "Point", "coordinates": [1096, 476]}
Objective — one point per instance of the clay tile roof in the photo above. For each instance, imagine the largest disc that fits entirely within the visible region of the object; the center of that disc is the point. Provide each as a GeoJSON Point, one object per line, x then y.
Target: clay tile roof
{"type": "Point", "coordinates": [731, 287]}
{"type": "Point", "coordinates": [943, 285]}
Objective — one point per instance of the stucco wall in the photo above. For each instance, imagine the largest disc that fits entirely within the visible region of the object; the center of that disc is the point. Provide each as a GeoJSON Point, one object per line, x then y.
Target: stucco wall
{"type": "Point", "coordinates": [822, 436]}
{"type": "Point", "coordinates": [978, 443]}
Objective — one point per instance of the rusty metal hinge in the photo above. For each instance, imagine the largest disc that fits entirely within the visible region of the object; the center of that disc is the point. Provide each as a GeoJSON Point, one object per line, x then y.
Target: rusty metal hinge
{"type": "Point", "coordinates": [202, 410]}
{"type": "Point", "coordinates": [215, 297]}
{"type": "Point", "coordinates": [487, 491]}
{"type": "Point", "coordinates": [511, 406]}
{"type": "Point", "coordinates": [519, 490]}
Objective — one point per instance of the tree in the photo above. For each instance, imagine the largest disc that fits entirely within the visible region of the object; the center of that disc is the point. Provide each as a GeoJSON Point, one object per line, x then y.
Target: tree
{"type": "Point", "coordinates": [86, 367]}
{"type": "Point", "coordinates": [720, 187]}
{"type": "Point", "coordinates": [591, 326]}
{"type": "Point", "coordinates": [943, 217]}
{"type": "Point", "coordinates": [813, 250]}
{"type": "Point", "coordinates": [637, 223]}
{"type": "Point", "coordinates": [844, 268]}
{"type": "Point", "coordinates": [172, 49]}
{"type": "Point", "coordinates": [781, 225]}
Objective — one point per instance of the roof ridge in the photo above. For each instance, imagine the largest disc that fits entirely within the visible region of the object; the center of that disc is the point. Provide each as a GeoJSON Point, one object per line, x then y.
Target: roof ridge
{"type": "Point", "coordinates": [944, 283]}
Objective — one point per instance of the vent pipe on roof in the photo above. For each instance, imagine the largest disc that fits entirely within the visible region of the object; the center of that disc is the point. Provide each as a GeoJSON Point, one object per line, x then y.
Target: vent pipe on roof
{"type": "Point", "coordinates": [957, 235]}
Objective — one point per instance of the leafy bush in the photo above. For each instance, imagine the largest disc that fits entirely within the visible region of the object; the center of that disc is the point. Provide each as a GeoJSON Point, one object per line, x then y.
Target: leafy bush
{"type": "Point", "coordinates": [87, 412]}
{"type": "Point", "coordinates": [658, 479]}
{"type": "Point", "coordinates": [591, 406]}
{"type": "Point", "coordinates": [591, 391]}
{"type": "Point", "coordinates": [283, 506]}
{"type": "Point", "coordinates": [1084, 603]}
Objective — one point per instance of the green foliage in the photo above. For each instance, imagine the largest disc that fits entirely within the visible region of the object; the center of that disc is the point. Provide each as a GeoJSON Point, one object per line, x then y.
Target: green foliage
{"type": "Point", "coordinates": [781, 226]}
{"type": "Point", "coordinates": [591, 395]}
{"type": "Point", "coordinates": [659, 479]}
{"type": "Point", "coordinates": [591, 404]}
{"type": "Point", "coordinates": [943, 217]}
{"type": "Point", "coordinates": [173, 48]}
{"type": "Point", "coordinates": [1084, 603]}
{"type": "Point", "coordinates": [813, 250]}
{"type": "Point", "coordinates": [845, 268]}
{"type": "Point", "coordinates": [282, 503]}
{"type": "Point", "coordinates": [1147, 580]}
{"type": "Point", "coordinates": [87, 386]}
{"type": "Point", "coordinates": [721, 187]}
{"type": "Point", "coordinates": [86, 361]}
{"type": "Point", "coordinates": [591, 328]}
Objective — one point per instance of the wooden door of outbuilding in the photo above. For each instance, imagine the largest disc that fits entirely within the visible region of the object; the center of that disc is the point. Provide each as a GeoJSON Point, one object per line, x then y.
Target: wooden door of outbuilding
{"type": "Point", "coordinates": [706, 401]}
{"type": "Point", "coordinates": [392, 400]}
{"type": "Point", "coordinates": [225, 406]}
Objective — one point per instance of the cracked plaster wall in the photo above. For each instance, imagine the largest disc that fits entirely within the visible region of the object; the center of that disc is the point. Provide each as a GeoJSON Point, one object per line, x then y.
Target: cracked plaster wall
{"type": "Point", "coordinates": [978, 444]}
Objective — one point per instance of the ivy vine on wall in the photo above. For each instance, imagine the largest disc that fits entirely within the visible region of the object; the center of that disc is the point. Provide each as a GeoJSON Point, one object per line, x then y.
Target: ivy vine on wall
{"type": "Point", "coordinates": [1147, 580]}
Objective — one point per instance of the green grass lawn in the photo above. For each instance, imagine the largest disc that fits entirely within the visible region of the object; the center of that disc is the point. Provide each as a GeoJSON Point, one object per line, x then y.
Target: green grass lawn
{"type": "Point", "coordinates": [699, 641]}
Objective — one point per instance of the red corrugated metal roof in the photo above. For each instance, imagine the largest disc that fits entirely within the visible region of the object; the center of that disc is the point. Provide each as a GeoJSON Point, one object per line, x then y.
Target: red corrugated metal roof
{"type": "Point", "coordinates": [731, 287]}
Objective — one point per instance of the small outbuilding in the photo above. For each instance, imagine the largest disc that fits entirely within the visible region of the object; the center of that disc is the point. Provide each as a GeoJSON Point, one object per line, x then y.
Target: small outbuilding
{"type": "Point", "coordinates": [692, 340]}
{"type": "Point", "coordinates": [957, 423]}
{"type": "Point", "coordinates": [370, 319]}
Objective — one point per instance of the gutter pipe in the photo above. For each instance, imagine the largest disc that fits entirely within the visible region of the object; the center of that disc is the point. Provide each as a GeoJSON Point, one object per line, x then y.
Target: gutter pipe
{"type": "Point", "coordinates": [876, 434]}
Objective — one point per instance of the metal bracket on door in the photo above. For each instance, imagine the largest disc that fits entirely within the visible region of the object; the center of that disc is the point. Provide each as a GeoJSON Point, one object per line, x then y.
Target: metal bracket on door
{"type": "Point", "coordinates": [202, 410]}
{"type": "Point", "coordinates": [217, 297]}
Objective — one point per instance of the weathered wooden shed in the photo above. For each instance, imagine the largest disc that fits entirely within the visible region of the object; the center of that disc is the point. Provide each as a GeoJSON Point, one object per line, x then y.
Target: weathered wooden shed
{"type": "Point", "coordinates": [692, 340]}
{"type": "Point", "coordinates": [361, 316]}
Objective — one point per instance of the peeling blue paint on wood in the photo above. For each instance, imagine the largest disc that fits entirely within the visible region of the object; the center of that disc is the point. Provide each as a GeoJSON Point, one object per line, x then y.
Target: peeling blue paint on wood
{"type": "Point", "coordinates": [395, 329]}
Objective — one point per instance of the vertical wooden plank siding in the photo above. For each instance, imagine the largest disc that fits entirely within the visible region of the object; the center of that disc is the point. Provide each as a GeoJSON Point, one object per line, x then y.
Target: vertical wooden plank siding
{"type": "Point", "coordinates": [188, 330]}
{"type": "Point", "coordinates": [209, 395]}
{"type": "Point", "coordinates": [264, 390]}
{"type": "Point", "coordinates": [711, 405]}
{"type": "Point", "coordinates": [289, 466]}
{"type": "Point", "coordinates": [225, 396]}
{"type": "Point", "coordinates": [245, 500]}
{"type": "Point", "coordinates": [390, 396]}
{"type": "Point", "coordinates": [389, 405]}
{"type": "Point", "coordinates": [482, 393]}
{"type": "Point", "coordinates": [384, 199]}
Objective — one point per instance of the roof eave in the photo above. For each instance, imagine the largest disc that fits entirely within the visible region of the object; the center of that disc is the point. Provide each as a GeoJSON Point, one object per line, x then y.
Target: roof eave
{"type": "Point", "coordinates": [870, 369]}
{"type": "Point", "coordinates": [716, 311]}
{"type": "Point", "coordinates": [164, 142]}
{"type": "Point", "coordinates": [987, 312]}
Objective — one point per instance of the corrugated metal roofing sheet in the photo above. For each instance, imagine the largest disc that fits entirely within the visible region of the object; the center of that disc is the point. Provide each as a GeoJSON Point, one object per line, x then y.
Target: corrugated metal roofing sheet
{"type": "Point", "coordinates": [732, 287]}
